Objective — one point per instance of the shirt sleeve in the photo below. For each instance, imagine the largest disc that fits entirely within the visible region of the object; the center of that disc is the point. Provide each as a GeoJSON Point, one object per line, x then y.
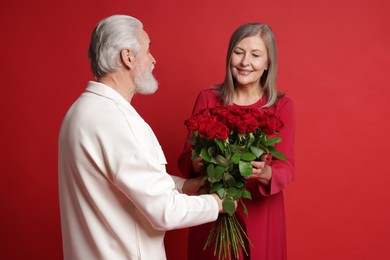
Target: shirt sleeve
{"type": "Point", "coordinates": [179, 182]}
{"type": "Point", "coordinates": [153, 193]}
{"type": "Point", "coordinates": [141, 176]}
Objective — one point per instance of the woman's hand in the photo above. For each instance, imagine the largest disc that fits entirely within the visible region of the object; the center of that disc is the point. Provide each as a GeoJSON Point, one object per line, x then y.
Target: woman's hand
{"type": "Point", "coordinates": [197, 164]}
{"type": "Point", "coordinates": [261, 172]}
{"type": "Point", "coordinates": [192, 186]}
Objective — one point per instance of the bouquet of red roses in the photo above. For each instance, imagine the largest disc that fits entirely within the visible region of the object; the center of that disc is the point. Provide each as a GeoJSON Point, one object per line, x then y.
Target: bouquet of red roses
{"type": "Point", "coordinates": [228, 138]}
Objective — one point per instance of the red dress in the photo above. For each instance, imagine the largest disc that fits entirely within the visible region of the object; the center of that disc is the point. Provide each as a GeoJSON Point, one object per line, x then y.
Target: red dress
{"type": "Point", "coordinates": [265, 224]}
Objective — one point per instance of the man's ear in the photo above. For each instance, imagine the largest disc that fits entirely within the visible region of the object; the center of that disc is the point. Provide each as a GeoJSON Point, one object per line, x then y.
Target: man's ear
{"type": "Point", "coordinates": [128, 58]}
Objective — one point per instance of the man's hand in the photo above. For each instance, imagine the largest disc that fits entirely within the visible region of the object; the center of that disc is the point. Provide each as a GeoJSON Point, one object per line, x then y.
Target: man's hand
{"type": "Point", "coordinates": [219, 201]}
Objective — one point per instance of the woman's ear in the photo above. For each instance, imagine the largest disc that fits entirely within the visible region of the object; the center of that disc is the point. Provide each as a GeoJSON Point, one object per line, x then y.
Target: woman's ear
{"type": "Point", "coordinates": [128, 58]}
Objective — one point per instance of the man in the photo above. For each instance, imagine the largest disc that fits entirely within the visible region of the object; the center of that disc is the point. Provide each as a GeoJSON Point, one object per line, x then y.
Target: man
{"type": "Point", "coordinates": [116, 198]}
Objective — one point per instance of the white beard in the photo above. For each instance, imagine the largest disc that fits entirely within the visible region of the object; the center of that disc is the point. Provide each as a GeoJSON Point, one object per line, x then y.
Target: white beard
{"type": "Point", "coordinates": [145, 83]}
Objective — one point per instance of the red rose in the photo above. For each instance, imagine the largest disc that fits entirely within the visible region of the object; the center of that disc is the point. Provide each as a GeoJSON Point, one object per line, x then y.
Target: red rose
{"type": "Point", "coordinates": [205, 111]}
{"type": "Point", "coordinates": [257, 113]}
{"type": "Point", "coordinates": [202, 117]}
{"type": "Point", "coordinates": [251, 123]}
{"type": "Point", "coordinates": [211, 129]}
{"type": "Point", "coordinates": [232, 121]}
{"type": "Point", "coordinates": [202, 130]}
{"type": "Point", "coordinates": [273, 125]}
{"type": "Point", "coordinates": [192, 124]}
{"type": "Point", "coordinates": [204, 122]}
{"type": "Point", "coordinates": [237, 111]}
{"type": "Point", "coordinates": [262, 118]}
{"type": "Point", "coordinates": [222, 131]}
{"type": "Point", "coordinates": [222, 113]}
{"type": "Point", "coordinates": [241, 126]}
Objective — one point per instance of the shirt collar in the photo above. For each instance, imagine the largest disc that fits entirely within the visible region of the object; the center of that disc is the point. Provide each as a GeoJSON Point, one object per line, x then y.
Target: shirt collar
{"type": "Point", "coordinates": [108, 92]}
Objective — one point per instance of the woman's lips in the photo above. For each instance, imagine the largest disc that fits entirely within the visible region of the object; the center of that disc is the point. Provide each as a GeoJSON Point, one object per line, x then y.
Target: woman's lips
{"type": "Point", "coordinates": [244, 72]}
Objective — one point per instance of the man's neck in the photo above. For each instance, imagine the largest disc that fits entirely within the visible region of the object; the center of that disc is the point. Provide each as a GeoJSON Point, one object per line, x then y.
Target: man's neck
{"type": "Point", "coordinates": [120, 84]}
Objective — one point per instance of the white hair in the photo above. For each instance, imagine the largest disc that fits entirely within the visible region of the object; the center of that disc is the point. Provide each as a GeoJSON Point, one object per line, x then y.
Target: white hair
{"type": "Point", "coordinates": [145, 82]}
{"type": "Point", "coordinates": [109, 37]}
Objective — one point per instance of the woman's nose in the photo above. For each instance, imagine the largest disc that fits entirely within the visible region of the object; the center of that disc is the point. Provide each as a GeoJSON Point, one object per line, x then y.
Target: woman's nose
{"type": "Point", "coordinates": [245, 60]}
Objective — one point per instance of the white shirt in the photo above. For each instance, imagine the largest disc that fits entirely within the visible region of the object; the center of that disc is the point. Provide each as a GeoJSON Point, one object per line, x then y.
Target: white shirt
{"type": "Point", "coordinates": [116, 198]}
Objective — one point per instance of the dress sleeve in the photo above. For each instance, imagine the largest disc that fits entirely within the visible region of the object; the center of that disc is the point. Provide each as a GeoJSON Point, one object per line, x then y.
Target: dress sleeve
{"type": "Point", "coordinates": [283, 172]}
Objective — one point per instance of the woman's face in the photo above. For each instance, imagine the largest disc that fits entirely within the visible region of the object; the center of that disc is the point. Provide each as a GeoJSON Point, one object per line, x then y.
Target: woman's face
{"type": "Point", "coordinates": [249, 60]}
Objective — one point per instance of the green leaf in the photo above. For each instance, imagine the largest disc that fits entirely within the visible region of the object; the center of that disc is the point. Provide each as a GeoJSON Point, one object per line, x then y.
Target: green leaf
{"type": "Point", "coordinates": [275, 153]}
{"type": "Point", "coordinates": [218, 172]}
{"type": "Point", "coordinates": [246, 194]}
{"type": "Point", "coordinates": [229, 205]}
{"type": "Point", "coordinates": [220, 160]}
{"type": "Point", "coordinates": [203, 179]}
{"type": "Point", "coordinates": [205, 155]}
{"type": "Point", "coordinates": [237, 148]}
{"type": "Point", "coordinates": [229, 179]}
{"type": "Point", "coordinates": [256, 151]}
{"type": "Point", "coordinates": [245, 208]}
{"type": "Point", "coordinates": [248, 156]}
{"type": "Point", "coordinates": [211, 172]}
{"type": "Point", "coordinates": [264, 148]}
{"type": "Point", "coordinates": [212, 151]}
{"type": "Point", "coordinates": [216, 186]}
{"type": "Point", "coordinates": [194, 155]}
{"type": "Point", "coordinates": [192, 140]}
{"type": "Point", "coordinates": [240, 185]}
{"type": "Point", "coordinates": [251, 138]}
{"type": "Point", "coordinates": [236, 157]}
{"type": "Point", "coordinates": [220, 144]}
{"type": "Point", "coordinates": [278, 155]}
{"type": "Point", "coordinates": [273, 141]}
{"type": "Point", "coordinates": [245, 168]}
{"type": "Point", "coordinates": [221, 193]}
{"type": "Point", "coordinates": [234, 193]}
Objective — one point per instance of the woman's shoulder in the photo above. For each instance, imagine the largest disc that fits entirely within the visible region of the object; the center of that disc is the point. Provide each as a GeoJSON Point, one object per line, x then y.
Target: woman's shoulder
{"type": "Point", "coordinates": [210, 95]}
{"type": "Point", "coordinates": [284, 102]}
{"type": "Point", "coordinates": [209, 92]}
{"type": "Point", "coordinates": [283, 99]}
{"type": "Point", "coordinates": [207, 98]}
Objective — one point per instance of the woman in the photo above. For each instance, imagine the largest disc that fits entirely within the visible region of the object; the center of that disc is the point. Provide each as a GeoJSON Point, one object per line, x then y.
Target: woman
{"type": "Point", "coordinates": [250, 81]}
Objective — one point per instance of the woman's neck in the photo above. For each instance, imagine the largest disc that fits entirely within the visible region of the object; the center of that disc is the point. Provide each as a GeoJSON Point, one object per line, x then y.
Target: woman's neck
{"type": "Point", "coordinates": [247, 95]}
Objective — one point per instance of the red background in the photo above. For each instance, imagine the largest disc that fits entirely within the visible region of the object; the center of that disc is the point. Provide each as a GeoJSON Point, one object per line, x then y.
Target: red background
{"type": "Point", "coordinates": [334, 61]}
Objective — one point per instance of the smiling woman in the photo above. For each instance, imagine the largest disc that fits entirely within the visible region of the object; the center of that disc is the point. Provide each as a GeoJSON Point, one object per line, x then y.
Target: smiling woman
{"type": "Point", "coordinates": [250, 84]}
{"type": "Point", "coordinates": [249, 61]}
